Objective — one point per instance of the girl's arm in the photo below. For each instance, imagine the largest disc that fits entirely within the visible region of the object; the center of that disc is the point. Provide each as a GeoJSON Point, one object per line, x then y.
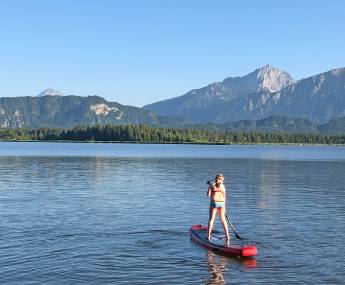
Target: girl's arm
{"type": "Point", "coordinates": [224, 192]}
{"type": "Point", "coordinates": [209, 191]}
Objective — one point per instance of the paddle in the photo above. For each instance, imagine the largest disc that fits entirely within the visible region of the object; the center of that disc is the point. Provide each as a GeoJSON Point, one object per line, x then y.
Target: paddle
{"type": "Point", "coordinates": [232, 226]}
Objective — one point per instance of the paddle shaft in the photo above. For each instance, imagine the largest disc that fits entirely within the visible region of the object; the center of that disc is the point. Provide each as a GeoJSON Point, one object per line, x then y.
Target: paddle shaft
{"type": "Point", "coordinates": [232, 226]}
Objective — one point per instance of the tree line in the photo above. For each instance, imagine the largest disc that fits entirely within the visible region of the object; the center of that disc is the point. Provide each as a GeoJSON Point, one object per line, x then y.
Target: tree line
{"type": "Point", "coordinates": [156, 134]}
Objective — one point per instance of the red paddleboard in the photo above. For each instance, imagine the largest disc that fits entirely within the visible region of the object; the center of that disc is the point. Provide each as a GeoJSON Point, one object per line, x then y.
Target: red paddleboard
{"type": "Point", "coordinates": [198, 234]}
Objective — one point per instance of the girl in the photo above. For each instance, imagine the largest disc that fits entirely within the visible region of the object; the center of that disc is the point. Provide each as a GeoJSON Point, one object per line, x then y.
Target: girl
{"type": "Point", "coordinates": [216, 192]}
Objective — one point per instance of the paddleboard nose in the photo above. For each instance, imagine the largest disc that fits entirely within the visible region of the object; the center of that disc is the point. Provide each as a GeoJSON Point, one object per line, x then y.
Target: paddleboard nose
{"type": "Point", "coordinates": [249, 250]}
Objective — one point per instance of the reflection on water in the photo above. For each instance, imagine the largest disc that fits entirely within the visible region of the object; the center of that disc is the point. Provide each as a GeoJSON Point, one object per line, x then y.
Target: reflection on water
{"type": "Point", "coordinates": [218, 265]}
{"type": "Point", "coordinates": [269, 186]}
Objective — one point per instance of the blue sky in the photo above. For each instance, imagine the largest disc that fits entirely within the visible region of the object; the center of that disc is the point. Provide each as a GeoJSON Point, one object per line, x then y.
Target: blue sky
{"type": "Point", "coordinates": [139, 52]}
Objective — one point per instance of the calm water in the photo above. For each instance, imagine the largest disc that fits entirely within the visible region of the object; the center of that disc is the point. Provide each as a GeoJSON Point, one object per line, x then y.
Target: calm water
{"type": "Point", "coordinates": [120, 214]}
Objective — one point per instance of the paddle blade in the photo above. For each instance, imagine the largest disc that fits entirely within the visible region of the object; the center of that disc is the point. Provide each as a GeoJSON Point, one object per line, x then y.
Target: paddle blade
{"type": "Point", "coordinates": [237, 235]}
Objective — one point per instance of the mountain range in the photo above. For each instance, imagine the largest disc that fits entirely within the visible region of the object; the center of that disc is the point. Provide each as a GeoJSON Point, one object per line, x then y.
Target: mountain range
{"type": "Point", "coordinates": [265, 92]}
{"type": "Point", "coordinates": [265, 99]}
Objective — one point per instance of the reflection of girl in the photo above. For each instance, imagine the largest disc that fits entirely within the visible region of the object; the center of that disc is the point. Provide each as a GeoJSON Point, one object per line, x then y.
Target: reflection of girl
{"type": "Point", "coordinates": [216, 192]}
{"type": "Point", "coordinates": [218, 266]}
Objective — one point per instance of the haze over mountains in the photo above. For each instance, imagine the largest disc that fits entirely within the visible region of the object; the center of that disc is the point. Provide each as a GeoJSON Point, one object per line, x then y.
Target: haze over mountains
{"type": "Point", "coordinates": [266, 91]}
{"type": "Point", "coordinates": [266, 99]}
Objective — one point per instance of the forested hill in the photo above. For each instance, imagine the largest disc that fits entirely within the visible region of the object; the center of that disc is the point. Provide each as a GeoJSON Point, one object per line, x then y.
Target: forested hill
{"type": "Point", "coordinates": [68, 111]}
{"type": "Point", "coordinates": [274, 124]}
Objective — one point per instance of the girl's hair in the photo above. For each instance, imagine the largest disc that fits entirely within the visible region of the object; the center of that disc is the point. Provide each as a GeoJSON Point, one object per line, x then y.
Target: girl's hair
{"type": "Point", "coordinates": [217, 179]}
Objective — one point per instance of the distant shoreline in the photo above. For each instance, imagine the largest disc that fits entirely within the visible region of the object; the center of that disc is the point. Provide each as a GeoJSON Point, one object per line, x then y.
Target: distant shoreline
{"type": "Point", "coordinates": [171, 143]}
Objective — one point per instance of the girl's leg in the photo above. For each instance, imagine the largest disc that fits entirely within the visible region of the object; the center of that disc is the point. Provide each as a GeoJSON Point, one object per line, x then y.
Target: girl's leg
{"type": "Point", "coordinates": [213, 212]}
{"type": "Point", "coordinates": [221, 213]}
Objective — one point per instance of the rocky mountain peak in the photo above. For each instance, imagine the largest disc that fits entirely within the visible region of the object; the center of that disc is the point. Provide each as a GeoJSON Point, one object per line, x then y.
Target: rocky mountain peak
{"type": "Point", "coordinates": [50, 92]}
{"type": "Point", "coordinates": [272, 79]}
{"type": "Point", "coordinates": [266, 79]}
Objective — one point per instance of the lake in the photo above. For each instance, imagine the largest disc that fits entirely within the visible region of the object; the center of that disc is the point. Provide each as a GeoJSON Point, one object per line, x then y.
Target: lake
{"type": "Point", "coordinates": [92, 213]}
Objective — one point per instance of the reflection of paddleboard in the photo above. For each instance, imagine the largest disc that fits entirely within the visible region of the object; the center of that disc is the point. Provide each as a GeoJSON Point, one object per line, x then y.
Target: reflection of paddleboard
{"type": "Point", "coordinates": [198, 234]}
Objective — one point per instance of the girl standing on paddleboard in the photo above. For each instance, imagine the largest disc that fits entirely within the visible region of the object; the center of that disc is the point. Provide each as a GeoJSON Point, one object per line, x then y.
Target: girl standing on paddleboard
{"type": "Point", "coordinates": [216, 192]}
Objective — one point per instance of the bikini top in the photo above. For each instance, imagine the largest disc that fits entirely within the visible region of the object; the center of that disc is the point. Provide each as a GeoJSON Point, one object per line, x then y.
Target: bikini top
{"type": "Point", "coordinates": [215, 189]}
